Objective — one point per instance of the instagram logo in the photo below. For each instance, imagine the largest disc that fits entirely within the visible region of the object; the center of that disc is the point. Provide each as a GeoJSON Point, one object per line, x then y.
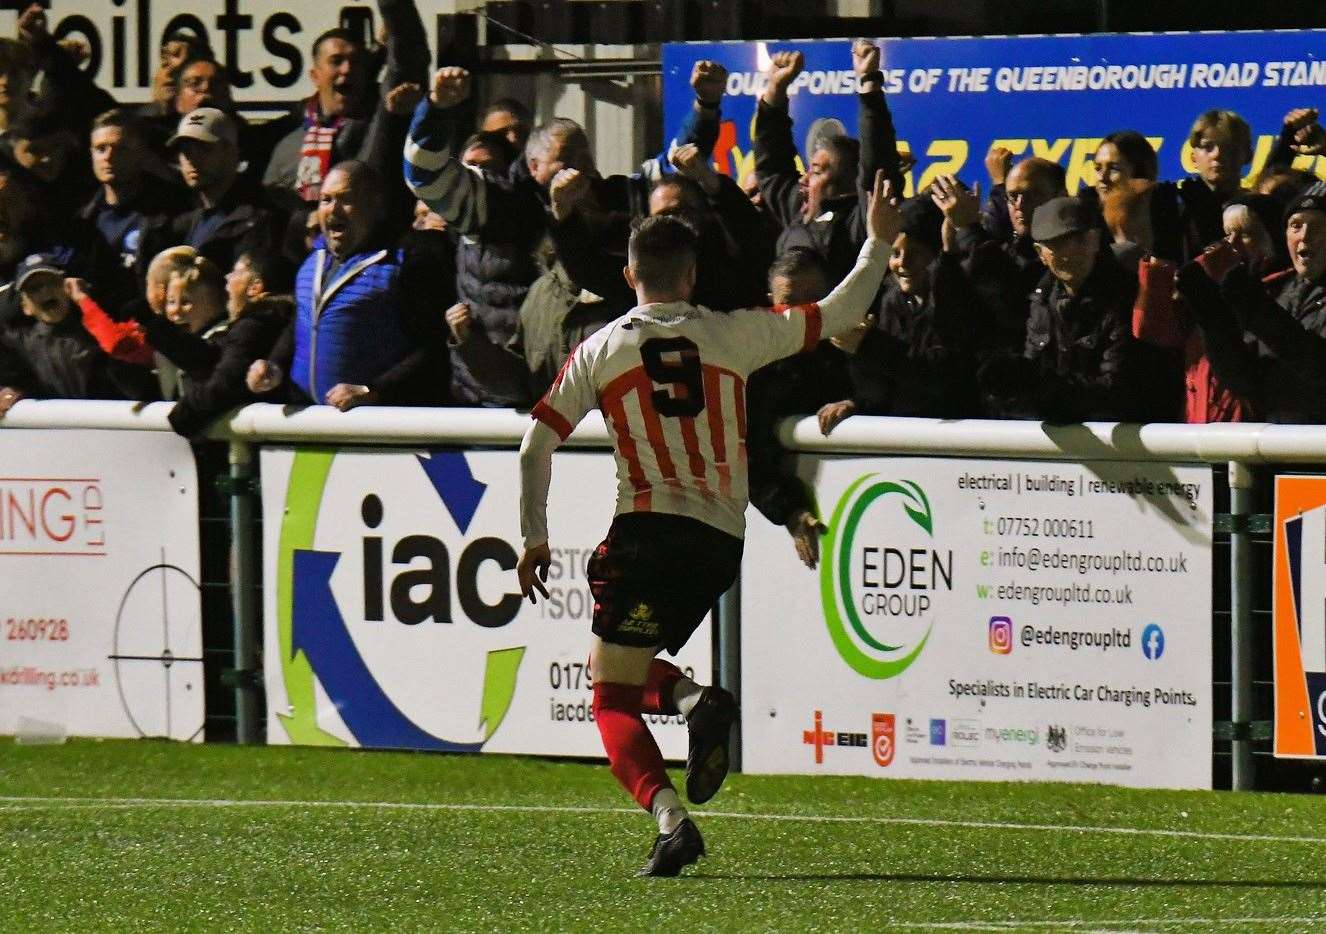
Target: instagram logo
{"type": "Point", "coordinates": [1001, 635]}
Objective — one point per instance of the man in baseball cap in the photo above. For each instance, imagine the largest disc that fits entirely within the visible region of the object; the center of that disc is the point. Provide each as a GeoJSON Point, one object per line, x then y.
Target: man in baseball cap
{"type": "Point", "coordinates": [1081, 362]}
{"type": "Point", "coordinates": [206, 125]}
{"type": "Point", "coordinates": [232, 214]}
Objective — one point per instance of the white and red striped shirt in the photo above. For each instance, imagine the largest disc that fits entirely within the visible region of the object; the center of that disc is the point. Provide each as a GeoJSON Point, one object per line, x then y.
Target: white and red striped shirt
{"type": "Point", "coordinates": [670, 380]}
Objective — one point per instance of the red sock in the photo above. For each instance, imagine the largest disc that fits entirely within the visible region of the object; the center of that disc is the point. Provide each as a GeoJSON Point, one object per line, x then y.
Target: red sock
{"type": "Point", "coordinates": [663, 677]}
{"type": "Point", "coordinates": [632, 753]}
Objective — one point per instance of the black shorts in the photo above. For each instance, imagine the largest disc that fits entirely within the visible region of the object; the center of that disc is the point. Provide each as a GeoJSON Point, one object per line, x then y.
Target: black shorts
{"type": "Point", "coordinates": [656, 576]}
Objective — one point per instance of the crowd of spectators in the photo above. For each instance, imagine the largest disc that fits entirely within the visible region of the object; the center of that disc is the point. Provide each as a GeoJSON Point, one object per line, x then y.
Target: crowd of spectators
{"type": "Point", "coordinates": [371, 247]}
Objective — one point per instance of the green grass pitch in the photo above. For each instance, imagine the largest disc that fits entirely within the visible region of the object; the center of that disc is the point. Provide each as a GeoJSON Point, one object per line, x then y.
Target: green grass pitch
{"type": "Point", "coordinates": [101, 836]}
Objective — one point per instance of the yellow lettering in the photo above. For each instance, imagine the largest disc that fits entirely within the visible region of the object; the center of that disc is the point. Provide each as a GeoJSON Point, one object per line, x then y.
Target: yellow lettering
{"type": "Point", "coordinates": [1261, 149]}
{"type": "Point", "coordinates": [1016, 146]}
{"type": "Point", "coordinates": [1081, 168]}
{"type": "Point", "coordinates": [951, 156]}
{"type": "Point", "coordinates": [1052, 151]}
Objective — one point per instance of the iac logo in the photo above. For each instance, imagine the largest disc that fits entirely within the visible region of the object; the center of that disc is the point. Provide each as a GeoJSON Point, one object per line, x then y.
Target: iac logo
{"type": "Point", "coordinates": [357, 634]}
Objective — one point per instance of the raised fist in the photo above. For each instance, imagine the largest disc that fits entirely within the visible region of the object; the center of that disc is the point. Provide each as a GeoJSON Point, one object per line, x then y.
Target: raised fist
{"type": "Point", "coordinates": [865, 57]}
{"type": "Point", "coordinates": [451, 86]}
{"type": "Point", "coordinates": [566, 190]}
{"type": "Point", "coordinates": [998, 163]}
{"type": "Point", "coordinates": [784, 67]}
{"type": "Point", "coordinates": [263, 376]}
{"type": "Point", "coordinates": [1309, 137]}
{"type": "Point", "coordinates": [709, 79]}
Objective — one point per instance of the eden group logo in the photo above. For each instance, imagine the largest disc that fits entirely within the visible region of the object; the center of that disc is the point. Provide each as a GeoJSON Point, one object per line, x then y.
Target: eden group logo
{"type": "Point", "coordinates": [884, 578]}
{"type": "Point", "coordinates": [1001, 635]}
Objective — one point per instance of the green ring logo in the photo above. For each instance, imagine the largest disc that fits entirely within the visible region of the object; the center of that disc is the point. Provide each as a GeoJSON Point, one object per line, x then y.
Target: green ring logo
{"type": "Point", "coordinates": [850, 635]}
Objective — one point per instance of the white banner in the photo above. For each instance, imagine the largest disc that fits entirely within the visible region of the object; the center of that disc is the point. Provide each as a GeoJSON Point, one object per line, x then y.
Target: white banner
{"type": "Point", "coordinates": [100, 602]}
{"type": "Point", "coordinates": [392, 613]}
{"type": "Point", "coordinates": [986, 620]}
{"type": "Point", "coordinates": [266, 45]}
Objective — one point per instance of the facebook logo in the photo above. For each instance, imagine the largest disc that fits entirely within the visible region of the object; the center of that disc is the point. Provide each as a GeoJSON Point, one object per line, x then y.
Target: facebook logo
{"type": "Point", "coordinates": [1153, 642]}
{"type": "Point", "coordinates": [938, 732]}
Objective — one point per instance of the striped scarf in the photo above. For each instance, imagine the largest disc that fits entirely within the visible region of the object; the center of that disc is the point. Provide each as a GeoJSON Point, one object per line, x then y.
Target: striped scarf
{"type": "Point", "coordinates": [315, 153]}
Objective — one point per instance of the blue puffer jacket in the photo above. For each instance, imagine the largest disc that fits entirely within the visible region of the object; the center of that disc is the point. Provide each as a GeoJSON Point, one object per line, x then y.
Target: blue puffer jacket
{"type": "Point", "coordinates": [350, 330]}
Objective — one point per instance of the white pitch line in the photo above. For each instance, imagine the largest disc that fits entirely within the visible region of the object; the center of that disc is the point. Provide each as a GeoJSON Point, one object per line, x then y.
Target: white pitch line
{"type": "Point", "coordinates": [57, 802]}
{"type": "Point", "coordinates": [1097, 926]}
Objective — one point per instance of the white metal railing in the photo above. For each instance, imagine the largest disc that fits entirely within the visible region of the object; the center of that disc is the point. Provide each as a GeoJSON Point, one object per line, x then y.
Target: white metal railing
{"type": "Point", "coordinates": [1247, 443]}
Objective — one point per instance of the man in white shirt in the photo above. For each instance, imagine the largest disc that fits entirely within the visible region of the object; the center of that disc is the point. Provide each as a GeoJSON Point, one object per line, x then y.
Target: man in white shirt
{"type": "Point", "coordinates": [670, 380]}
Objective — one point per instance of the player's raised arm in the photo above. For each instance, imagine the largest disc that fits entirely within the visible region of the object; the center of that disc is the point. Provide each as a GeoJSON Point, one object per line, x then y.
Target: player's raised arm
{"type": "Point", "coordinates": [536, 451]}
{"type": "Point", "coordinates": [848, 303]}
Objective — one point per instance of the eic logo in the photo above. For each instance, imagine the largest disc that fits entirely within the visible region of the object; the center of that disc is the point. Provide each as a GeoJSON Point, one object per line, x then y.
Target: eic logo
{"type": "Point", "coordinates": [1153, 642]}
{"type": "Point", "coordinates": [820, 737]}
{"type": "Point", "coordinates": [1001, 635]}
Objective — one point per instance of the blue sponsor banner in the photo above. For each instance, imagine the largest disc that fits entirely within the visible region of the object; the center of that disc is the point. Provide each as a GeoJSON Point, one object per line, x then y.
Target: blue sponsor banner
{"type": "Point", "coordinates": [1051, 96]}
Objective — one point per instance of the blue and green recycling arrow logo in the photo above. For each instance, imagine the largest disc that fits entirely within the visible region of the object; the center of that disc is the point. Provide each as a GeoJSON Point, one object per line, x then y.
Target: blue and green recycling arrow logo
{"type": "Point", "coordinates": [315, 642]}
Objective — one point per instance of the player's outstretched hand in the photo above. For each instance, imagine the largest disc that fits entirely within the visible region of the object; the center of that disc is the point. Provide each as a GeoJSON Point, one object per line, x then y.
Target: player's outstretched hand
{"type": "Point", "coordinates": [806, 530]}
{"type": "Point", "coordinates": [884, 219]}
{"type": "Point", "coordinates": [537, 559]}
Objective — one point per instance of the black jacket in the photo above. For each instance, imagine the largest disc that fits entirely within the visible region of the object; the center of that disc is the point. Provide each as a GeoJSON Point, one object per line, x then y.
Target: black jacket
{"type": "Point", "coordinates": [1080, 361]}
{"type": "Point", "coordinates": [245, 219]}
{"type": "Point", "coordinates": [920, 358]}
{"type": "Point", "coordinates": [1266, 340]}
{"type": "Point", "coordinates": [841, 231]}
{"type": "Point", "coordinates": [62, 361]}
{"type": "Point", "coordinates": [215, 367]}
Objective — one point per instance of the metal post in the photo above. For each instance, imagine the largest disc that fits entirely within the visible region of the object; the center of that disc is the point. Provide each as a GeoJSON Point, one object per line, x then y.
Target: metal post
{"type": "Point", "coordinates": [243, 590]}
{"type": "Point", "coordinates": [729, 657]}
{"type": "Point", "coordinates": [1241, 505]}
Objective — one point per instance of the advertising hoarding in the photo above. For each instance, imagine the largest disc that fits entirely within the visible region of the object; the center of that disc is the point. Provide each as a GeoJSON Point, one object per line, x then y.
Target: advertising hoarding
{"type": "Point", "coordinates": [994, 620]}
{"type": "Point", "coordinates": [1049, 96]}
{"type": "Point", "coordinates": [393, 618]}
{"type": "Point", "coordinates": [100, 604]}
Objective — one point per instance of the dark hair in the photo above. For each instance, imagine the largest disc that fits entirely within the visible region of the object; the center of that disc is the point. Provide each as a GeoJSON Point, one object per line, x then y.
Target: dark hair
{"type": "Point", "coordinates": [507, 105]}
{"type": "Point", "coordinates": [344, 35]}
{"type": "Point", "coordinates": [275, 271]}
{"type": "Point", "coordinates": [121, 118]}
{"type": "Point", "coordinates": [797, 261]}
{"type": "Point", "coordinates": [192, 60]}
{"type": "Point", "coordinates": [1052, 173]}
{"type": "Point", "coordinates": [661, 251]}
{"type": "Point", "coordinates": [495, 143]}
{"type": "Point", "coordinates": [692, 196]}
{"type": "Point", "coordinates": [198, 46]}
{"type": "Point", "coordinates": [1137, 150]}
{"type": "Point", "coordinates": [16, 58]}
